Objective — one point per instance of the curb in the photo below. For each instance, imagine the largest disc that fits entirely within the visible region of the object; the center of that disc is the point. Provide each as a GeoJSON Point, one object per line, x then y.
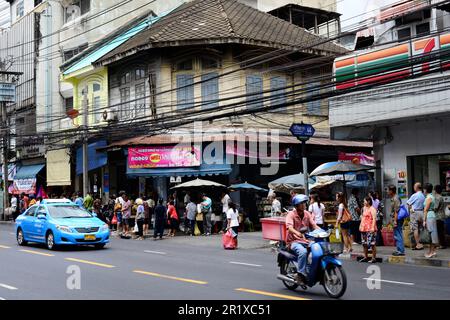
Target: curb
{"type": "Point", "coordinates": [402, 260]}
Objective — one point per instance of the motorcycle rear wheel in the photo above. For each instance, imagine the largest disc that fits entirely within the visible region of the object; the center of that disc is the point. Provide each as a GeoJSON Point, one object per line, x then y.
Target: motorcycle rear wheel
{"type": "Point", "coordinates": [288, 268]}
{"type": "Point", "coordinates": [334, 281]}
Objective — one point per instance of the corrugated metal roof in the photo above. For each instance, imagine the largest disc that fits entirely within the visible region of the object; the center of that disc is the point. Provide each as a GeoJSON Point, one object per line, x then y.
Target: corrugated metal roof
{"type": "Point", "coordinates": [227, 21]}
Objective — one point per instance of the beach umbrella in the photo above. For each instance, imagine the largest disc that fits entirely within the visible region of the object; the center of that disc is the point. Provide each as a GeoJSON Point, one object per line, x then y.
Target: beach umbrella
{"type": "Point", "coordinates": [246, 186]}
{"type": "Point", "coordinates": [198, 183]}
{"type": "Point", "coordinates": [339, 167]}
{"type": "Point", "coordinates": [289, 183]}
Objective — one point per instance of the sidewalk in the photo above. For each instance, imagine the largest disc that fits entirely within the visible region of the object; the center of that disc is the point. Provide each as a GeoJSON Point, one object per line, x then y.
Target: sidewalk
{"type": "Point", "coordinates": [384, 254]}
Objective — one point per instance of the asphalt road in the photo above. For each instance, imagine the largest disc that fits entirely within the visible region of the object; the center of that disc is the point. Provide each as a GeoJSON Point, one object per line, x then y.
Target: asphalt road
{"type": "Point", "coordinates": [166, 270]}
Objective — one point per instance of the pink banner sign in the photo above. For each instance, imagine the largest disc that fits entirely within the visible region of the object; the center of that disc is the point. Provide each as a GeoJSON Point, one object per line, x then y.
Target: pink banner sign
{"type": "Point", "coordinates": [357, 157]}
{"type": "Point", "coordinates": [164, 157]}
{"type": "Point", "coordinates": [28, 186]}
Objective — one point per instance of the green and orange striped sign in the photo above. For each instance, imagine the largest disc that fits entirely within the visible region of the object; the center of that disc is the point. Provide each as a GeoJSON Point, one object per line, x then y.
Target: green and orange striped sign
{"type": "Point", "coordinates": [388, 64]}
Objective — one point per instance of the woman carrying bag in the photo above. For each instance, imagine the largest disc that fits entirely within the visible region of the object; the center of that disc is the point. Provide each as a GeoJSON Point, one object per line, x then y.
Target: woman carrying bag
{"type": "Point", "coordinates": [229, 238]}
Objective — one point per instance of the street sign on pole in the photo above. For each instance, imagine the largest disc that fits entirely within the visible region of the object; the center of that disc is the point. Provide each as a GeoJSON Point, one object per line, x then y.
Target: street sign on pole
{"type": "Point", "coordinates": [7, 92]}
{"type": "Point", "coordinates": [303, 132]}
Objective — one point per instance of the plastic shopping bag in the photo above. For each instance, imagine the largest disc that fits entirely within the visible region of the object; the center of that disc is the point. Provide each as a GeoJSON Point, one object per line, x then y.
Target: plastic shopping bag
{"type": "Point", "coordinates": [229, 243]}
{"type": "Point", "coordinates": [197, 231]}
{"type": "Point", "coordinates": [136, 229]}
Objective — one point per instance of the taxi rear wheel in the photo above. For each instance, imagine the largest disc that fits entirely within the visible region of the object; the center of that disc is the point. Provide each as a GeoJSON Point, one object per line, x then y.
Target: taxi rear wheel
{"type": "Point", "coordinates": [50, 241]}
{"type": "Point", "coordinates": [20, 238]}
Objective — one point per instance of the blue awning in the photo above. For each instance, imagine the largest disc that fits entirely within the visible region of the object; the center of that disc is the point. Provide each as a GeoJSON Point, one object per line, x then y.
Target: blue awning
{"type": "Point", "coordinates": [203, 170]}
{"type": "Point", "coordinates": [28, 172]}
{"type": "Point", "coordinates": [95, 159]}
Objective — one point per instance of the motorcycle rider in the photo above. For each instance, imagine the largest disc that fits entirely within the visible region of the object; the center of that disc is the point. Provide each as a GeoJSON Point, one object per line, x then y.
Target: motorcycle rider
{"type": "Point", "coordinates": [296, 241]}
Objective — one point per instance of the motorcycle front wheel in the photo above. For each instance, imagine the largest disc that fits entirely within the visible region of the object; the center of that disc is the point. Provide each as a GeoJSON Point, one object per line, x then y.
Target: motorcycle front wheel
{"type": "Point", "coordinates": [288, 268]}
{"type": "Point", "coordinates": [334, 281]}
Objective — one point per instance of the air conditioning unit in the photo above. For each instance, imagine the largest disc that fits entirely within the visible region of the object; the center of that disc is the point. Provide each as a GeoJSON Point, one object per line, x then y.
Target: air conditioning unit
{"type": "Point", "coordinates": [110, 115]}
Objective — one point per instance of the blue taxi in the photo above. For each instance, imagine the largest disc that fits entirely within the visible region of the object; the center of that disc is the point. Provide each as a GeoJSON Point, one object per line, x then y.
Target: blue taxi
{"type": "Point", "coordinates": [60, 222]}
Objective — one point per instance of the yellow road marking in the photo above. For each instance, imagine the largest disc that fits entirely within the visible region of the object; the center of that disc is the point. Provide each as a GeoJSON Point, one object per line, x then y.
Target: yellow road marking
{"type": "Point", "coordinates": [4, 247]}
{"type": "Point", "coordinates": [169, 277]}
{"type": "Point", "coordinates": [90, 262]}
{"type": "Point", "coordinates": [38, 253]}
{"type": "Point", "coordinates": [270, 294]}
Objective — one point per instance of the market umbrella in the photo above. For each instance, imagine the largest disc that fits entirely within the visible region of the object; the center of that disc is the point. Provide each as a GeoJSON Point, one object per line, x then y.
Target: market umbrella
{"type": "Point", "coordinates": [339, 167]}
{"type": "Point", "coordinates": [198, 183]}
{"type": "Point", "coordinates": [246, 186]}
{"type": "Point", "coordinates": [289, 183]}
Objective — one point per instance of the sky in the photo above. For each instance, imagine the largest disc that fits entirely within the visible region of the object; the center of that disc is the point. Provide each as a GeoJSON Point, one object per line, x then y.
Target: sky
{"type": "Point", "coordinates": [352, 8]}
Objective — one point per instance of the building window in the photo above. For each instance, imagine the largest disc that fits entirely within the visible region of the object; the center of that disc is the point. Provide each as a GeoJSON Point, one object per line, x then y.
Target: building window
{"type": "Point", "coordinates": [139, 74]}
{"type": "Point", "coordinates": [76, 9]}
{"type": "Point", "coordinates": [404, 34]}
{"type": "Point", "coordinates": [278, 92]}
{"type": "Point", "coordinates": [254, 88]}
{"type": "Point", "coordinates": [97, 109]}
{"type": "Point", "coordinates": [124, 103]}
{"type": "Point", "coordinates": [68, 104]}
{"type": "Point", "coordinates": [139, 92]}
{"type": "Point", "coordinates": [20, 10]}
{"type": "Point", "coordinates": [152, 90]}
{"type": "Point", "coordinates": [210, 91]}
{"type": "Point", "coordinates": [185, 65]}
{"type": "Point", "coordinates": [69, 54]}
{"type": "Point", "coordinates": [209, 63]}
{"type": "Point", "coordinates": [126, 78]}
{"type": "Point", "coordinates": [423, 29]}
{"type": "Point", "coordinates": [185, 91]}
{"type": "Point", "coordinates": [312, 91]}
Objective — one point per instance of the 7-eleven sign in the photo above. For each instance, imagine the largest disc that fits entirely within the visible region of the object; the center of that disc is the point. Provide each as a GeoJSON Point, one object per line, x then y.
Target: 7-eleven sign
{"type": "Point", "coordinates": [421, 50]}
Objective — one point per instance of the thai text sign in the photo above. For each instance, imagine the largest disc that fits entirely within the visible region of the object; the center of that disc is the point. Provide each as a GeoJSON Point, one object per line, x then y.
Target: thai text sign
{"type": "Point", "coordinates": [28, 186]}
{"type": "Point", "coordinates": [164, 157]}
{"type": "Point", "coordinates": [7, 92]}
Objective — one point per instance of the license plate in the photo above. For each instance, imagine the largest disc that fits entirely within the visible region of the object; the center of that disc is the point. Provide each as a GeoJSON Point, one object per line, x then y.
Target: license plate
{"type": "Point", "coordinates": [89, 237]}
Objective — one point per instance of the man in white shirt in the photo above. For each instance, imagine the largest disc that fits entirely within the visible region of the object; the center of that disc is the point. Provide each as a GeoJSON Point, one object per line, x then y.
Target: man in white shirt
{"type": "Point", "coordinates": [225, 206]}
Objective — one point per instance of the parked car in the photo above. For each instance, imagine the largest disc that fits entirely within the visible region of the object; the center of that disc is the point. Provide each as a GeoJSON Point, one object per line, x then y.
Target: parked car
{"type": "Point", "coordinates": [60, 222]}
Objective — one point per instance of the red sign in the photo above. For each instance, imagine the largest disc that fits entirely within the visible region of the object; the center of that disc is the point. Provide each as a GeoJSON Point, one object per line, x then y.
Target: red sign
{"type": "Point", "coordinates": [164, 157]}
{"type": "Point", "coordinates": [357, 158]}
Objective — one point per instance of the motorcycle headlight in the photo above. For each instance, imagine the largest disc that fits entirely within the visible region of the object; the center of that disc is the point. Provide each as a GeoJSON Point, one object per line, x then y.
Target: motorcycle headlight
{"type": "Point", "coordinates": [105, 227]}
{"type": "Point", "coordinates": [64, 229]}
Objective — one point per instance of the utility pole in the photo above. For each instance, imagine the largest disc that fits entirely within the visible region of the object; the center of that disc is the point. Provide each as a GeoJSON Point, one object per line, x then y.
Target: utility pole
{"type": "Point", "coordinates": [305, 167]}
{"type": "Point", "coordinates": [7, 95]}
{"type": "Point", "coordinates": [5, 157]}
{"type": "Point", "coordinates": [85, 142]}
{"type": "Point", "coordinates": [303, 132]}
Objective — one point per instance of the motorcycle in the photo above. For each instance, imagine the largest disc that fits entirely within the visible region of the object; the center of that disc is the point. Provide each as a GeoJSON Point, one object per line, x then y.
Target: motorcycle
{"type": "Point", "coordinates": [322, 265]}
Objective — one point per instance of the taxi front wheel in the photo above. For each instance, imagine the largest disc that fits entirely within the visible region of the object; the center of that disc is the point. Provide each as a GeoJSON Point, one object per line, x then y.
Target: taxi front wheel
{"type": "Point", "coordinates": [50, 241]}
{"type": "Point", "coordinates": [20, 238]}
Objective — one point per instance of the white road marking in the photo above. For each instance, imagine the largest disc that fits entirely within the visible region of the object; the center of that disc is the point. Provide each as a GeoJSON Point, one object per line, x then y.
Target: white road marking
{"type": "Point", "coordinates": [155, 252]}
{"type": "Point", "coordinates": [2, 299]}
{"type": "Point", "coordinates": [246, 264]}
{"type": "Point", "coordinates": [7, 286]}
{"type": "Point", "coordinates": [390, 281]}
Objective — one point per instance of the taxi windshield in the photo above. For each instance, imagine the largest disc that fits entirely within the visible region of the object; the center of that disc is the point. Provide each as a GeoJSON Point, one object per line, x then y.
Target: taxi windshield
{"type": "Point", "coordinates": [67, 212]}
